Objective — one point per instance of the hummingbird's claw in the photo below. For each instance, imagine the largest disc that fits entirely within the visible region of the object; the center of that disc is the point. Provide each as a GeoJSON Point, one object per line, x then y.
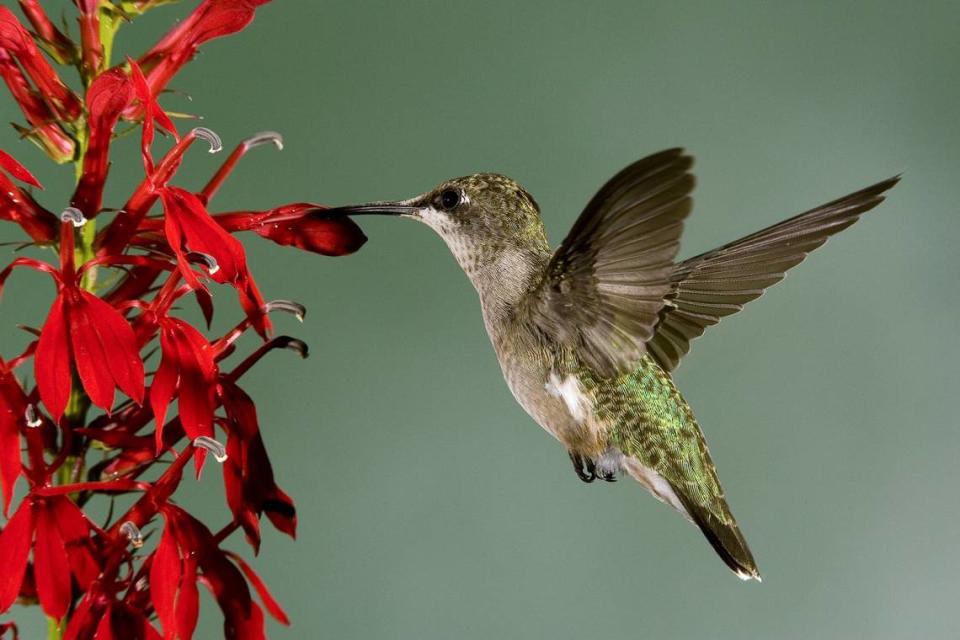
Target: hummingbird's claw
{"type": "Point", "coordinates": [584, 468]}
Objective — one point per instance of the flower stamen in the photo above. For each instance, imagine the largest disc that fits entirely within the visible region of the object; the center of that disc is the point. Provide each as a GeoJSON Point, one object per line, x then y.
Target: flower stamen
{"type": "Point", "coordinates": [74, 216]}
{"type": "Point", "coordinates": [30, 416]}
{"type": "Point", "coordinates": [212, 265]}
{"type": "Point", "coordinates": [209, 444]}
{"type": "Point", "coordinates": [216, 146]}
{"type": "Point", "coordinates": [133, 534]}
{"type": "Point", "coordinates": [264, 137]}
{"type": "Point", "coordinates": [289, 306]}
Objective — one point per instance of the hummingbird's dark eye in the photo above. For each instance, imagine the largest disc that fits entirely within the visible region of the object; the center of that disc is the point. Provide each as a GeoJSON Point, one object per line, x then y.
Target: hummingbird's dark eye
{"type": "Point", "coordinates": [449, 199]}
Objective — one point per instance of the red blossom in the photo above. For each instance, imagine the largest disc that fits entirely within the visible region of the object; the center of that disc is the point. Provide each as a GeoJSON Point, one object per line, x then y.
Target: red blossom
{"type": "Point", "coordinates": [301, 225]}
{"type": "Point", "coordinates": [189, 228]}
{"type": "Point", "coordinates": [63, 548]}
{"type": "Point", "coordinates": [20, 207]}
{"type": "Point", "coordinates": [13, 408]}
{"type": "Point", "coordinates": [247, 474]}
{"type": "Point", "coordinates": [211, 19]}
{"type": "Point", "coordinates": [45, 132]}
{"type": "Point", "coordinates": [187, 365]}
{"type": "Point", "coordinates": [63, 436]}
{"type": "Point", "coordinates": [16, 41]}
{"type": "Point", "coordinates": [109, 94]}
{"type": "Point", "coordinates": [59, 46]}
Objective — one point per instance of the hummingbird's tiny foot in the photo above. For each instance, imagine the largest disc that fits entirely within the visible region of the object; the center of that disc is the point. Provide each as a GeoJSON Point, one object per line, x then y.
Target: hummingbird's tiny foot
{"type": "Point", "coordinates": [587, 472]}
{"type": "Point", "coordinates": [609, 476]}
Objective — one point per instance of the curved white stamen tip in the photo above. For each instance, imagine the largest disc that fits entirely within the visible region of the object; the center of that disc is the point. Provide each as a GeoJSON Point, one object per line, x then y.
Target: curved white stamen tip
{"type": "Point", "coordinates": [133, 534]}
{"type": "Point", "coordinates": [30, 415]}
{"type": "Point", "coordinates": [299, 346]}
{"type": "Point", "coordinates": [212, 265]}
{"type": "Point", "coordinates": [73, 216]}
{"type": "Point", "coordinates": [209, 444]}
{"type": "Point", "coordinates": [289, 306]}
{"type": "Point", "coordinates": [210, 136]}
{"type": "Point", "coordinates": [264, 137]}
{"type": "Point", "coordinates": [141, 584]}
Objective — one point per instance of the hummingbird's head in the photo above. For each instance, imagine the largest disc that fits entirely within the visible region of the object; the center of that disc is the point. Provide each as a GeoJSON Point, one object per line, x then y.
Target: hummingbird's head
{"type": "Point", "coordinates": [483, 218]}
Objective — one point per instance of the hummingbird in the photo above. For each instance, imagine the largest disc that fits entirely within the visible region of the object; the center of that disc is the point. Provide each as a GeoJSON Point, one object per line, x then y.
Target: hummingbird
{"type": "Point", "coordinates": [588, 335]}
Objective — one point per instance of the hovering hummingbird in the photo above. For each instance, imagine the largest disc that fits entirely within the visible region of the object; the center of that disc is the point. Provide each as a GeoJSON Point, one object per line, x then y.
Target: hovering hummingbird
{"type": "Point", "coordinates": [587, 336]}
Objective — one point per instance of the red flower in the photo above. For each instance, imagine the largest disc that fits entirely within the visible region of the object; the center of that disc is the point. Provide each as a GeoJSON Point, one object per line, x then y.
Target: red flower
{"type": "Point", "coordinates": [46, 133]}
{"type": "Point", "coordinates": [20, 207]}
{"type": "Point", "coordinates": [90, 45]}
{"type": "Point", "coordinates": [187, 366]}
{"type": "Point", "coordinates": [63, 548]}
{"type": "Point", "coordinates": [212, 19]}
{"type": "Point", "coordinates": [16, 41]}
{"type": "Point", "coordinates": [247, 474]}
{"type": "Point", "coordinates": [185, 546]}
{"type": "Point", "coordinates": [107, 97]}
{"type": "Point", "coordinates": [151, 113]}
{"type": "Point", "coordinates": [301, 225]}
{"type": "Point", "coordinates": [188, 225]}
{"type": "Point", "coordinates": [83, 331]}
{"type": "Point", "coordinates": [13, 406]}
{"type": "Point", "coordinates": [59, 46]}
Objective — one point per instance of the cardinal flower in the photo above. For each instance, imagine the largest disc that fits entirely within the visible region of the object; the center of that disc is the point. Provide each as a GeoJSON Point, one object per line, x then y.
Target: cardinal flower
{"type": "Point", "coordinates": [189, 228]}
{"type": "Point", "coordinates": [19, 207]}
{"type": "Point", "coordinates": [301, 225]}
{"type": "Point", "coordinates": [13, 407]}
{"type": "Point", "coordinates": [247, 474]}
{"type": "Point", "coordinates": [186, 546]}
{"type": "Point", "coordinates": [211, 19]}
{"type": "Point", "coordinates": [63, 548]}
{"type": "Point", "coordinates": [81, 331]}
{"type": "Point", "coordinates": [187, 366]}
{"type": "Point", "coordinates": [106, 98]}
{"type": "Point", "coordinates": [18, 43]}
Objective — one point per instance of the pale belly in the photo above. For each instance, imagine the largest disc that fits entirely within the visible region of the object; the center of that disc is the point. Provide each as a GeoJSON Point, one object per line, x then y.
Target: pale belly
{"type": "Point", "coordinates": [558, 403]}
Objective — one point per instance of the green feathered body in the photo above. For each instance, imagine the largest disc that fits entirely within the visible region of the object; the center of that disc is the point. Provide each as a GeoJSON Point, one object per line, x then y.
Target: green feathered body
{"type": "Point", "coordinates": [650, 423]}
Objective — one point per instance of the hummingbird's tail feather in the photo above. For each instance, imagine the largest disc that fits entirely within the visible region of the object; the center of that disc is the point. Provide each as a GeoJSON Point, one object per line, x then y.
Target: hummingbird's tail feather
{"type": "Point", "coordinates": [725, 538]}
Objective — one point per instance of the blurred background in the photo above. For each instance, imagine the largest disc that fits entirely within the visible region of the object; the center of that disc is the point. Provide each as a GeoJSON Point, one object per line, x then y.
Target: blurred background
{"type": "Point", "coordinates": [430, 505]}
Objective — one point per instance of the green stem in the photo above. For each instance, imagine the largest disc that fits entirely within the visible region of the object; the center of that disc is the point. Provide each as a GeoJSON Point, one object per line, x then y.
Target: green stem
{"type": "Point", "coordinates": [55, 629]}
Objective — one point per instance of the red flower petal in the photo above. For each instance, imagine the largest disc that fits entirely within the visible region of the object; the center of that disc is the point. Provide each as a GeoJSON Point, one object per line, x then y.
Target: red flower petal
{"type": "Point", "coordinates": [51, 566]}
{"type": "Point", "coordinates": [109, 94]}
{"type": "Point", "coordinates": [268, 601]}
{"type": "Point", "coordinates": [18, 42]}
{"type": "Point", "coordinates": [82, 620]}
{"type": "Point", "coordinates": [188, 600]}
{"type": "Point", "coordinates": [12, 405]}
{"type": "Point", "coordinates": [164, 384]}
{"type": "Point", "coordinates": [105, 627]}
{"type": "Point", "coordinates": [75, 530]}
{"type": "Point", "coordinates": [104, 349]}
{"type": "Point", "coordinates": [164, 578]}
{"type": "Point", "coordinates": [187, 220]}
{"type": "Point", "coordinates": [14, 549]}
{"type": "Point", "coordinates": [211, 19]}
{"type": "Point", "coordinates": [52, 361]}
{"type": "Point", "coordinates": [17, 170]}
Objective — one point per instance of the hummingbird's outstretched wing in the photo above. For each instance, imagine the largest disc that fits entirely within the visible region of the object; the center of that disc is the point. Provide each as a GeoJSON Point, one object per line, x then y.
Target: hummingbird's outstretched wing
{"type": "Point", "coordinates": [719, 283]}
{"type": "Point", "coordinates": [604, 287]}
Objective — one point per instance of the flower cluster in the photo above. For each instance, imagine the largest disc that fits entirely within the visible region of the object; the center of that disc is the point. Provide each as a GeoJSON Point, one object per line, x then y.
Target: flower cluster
{"type": "Point", "coordinates": [161, 245]}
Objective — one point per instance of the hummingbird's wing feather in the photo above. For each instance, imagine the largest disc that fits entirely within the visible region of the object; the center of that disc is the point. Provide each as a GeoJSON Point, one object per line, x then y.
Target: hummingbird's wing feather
{"type": "Point", "coordinates": [719, 283]}
{"type": "Point", "coordinates": [604, 287]}
{"type": "Point", "coordinates": [655, 429]}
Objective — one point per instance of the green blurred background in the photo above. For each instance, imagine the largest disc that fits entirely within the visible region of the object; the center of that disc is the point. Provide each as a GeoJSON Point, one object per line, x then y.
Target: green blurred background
{"type": "Point", "coordinates": [430, 505]}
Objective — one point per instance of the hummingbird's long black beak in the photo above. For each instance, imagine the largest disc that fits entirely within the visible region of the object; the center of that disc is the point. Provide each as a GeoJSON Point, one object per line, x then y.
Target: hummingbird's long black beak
{"type": "Point", "coordinates": [373, 209]}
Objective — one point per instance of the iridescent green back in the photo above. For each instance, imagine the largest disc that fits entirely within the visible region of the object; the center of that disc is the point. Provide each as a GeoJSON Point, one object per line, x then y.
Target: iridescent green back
{"type": "Point", "coordinates": [651, 421]}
